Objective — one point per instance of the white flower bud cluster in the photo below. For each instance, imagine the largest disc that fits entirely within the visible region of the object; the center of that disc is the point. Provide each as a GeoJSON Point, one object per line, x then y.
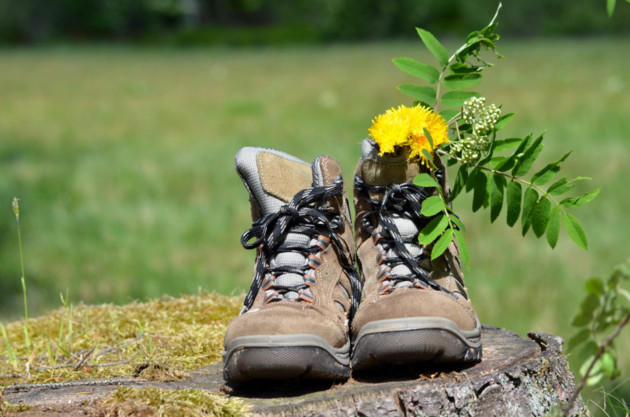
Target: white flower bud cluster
{"type": "Point", "coordinates": [483, 120]}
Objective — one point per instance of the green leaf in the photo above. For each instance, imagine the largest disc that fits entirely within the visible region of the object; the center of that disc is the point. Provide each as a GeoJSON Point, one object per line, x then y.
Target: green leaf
{"type": "Point", "coordinates": [503, 120]}
{"type": "Point", "coordinates": [594, 378]}
{"type": "Point", "coordinates": [481, 192]}
{"type": "Point", "coordinates": [610, 7]}
{"type": "Point", "coordinates": [459, 183]}
{"type": "Point", "coordinates": [458, 223]}
{"type": "Point", "coordinates": [457, 98]}
{"type": "Point", "coordinates": [497, 186]}
{"type": "Point", "coordinates": [509, 162]}
{"type": "Point", "coordinates": [448, 114]}
{"type": "Point", "coordinates": [529, 202]}
{"type": "Point", "coordinates": [560, 187]}
{"type": "Point", "coordinates": [608, 364]}
{"type": "Point", "coordinates": [505, 144]}
{"type": "Point", "coordinates": [595, 286]}
{"type": "Point", "coordinates": [585, 198]}
{"type": "Point", "coordinates": [580, 201]}
{"type": "Point", "coordinates": [432, 206]}
{"type": "Point", "coordinates": [470, 183]}
{"type": "Point", "coordinates": [442, 244]}
{"type": "Point", "coordinates": [461, 81]}
{"type": "Point", "coordinates": [425, 180]}
{"type": "Point", "coordinates": [575, 231]}
{"type": "Point", "coordinates": [553, 228]}
{"type": "Point", "coordinates": [425, 94]}
{"type": "Point", "coordinates": [540, 216]}
{"type": "Point", "coordinates": [506, 164]}
{"type": "Point", "coordinates": [427, 135]}
{"type": "Point", "coordinates": [463, 249]}
{"type": "Point", "coordinates": [524, 163]}
{"type": "Point", "coordinates": [464, 68]}
{"type": "Point", "coordinates": [513, 197]}
{"type": "Point", "coordinates": [543, 176]}
{"type": "Point", "coordinates": [417, 69]}
{"type": "Point", "coordinates": [431, 231]}
{"type": "Point", "coordinates": [582, 318]}
{"type": "Point", "coordinates": [429, 157]}
{"type": "Point", "coordinates": [433, 45]}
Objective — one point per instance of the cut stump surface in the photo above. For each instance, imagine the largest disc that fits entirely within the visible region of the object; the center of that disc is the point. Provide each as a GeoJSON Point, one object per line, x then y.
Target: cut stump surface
{"type": "Point", "coordinates": [516, 377]}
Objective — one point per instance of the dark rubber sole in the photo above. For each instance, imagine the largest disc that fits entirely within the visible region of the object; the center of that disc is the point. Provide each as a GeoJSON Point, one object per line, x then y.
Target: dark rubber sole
{"type": "Point", "coordinates": [284, 357]}
{"type": "Point", "coordinates": [414, 340]}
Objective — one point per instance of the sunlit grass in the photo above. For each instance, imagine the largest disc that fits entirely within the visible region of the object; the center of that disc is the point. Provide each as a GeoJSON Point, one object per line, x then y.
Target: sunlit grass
{"type": "Point", "coordinates": [123, 161]}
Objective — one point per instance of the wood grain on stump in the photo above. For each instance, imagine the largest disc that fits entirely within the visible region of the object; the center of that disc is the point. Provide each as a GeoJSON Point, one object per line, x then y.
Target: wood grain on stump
{"type": "Point", "coordinates": [517, 377]}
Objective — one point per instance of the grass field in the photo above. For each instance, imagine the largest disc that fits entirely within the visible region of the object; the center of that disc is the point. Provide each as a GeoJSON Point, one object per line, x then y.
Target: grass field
{"type": "Point", "coordinates": [123, 161]}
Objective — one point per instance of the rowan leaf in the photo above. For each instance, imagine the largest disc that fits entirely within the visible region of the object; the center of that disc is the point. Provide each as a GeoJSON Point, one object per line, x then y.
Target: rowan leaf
{"type": "Point", "coordinates": [505, 144]}
{"type": "Point", "coordinates": [497, 187]}
{"type": "Point", "coordinates": [457, 98]}
{"type": "Point", "coordinates": [461, 81]}
{"type": "Point", "coordinates": [525, 162]}
{"type": "Point", "coordinates": [425, 180]}
{"type": "Point", "coordinates": [432, 206]}
{"type": "Point", "coordinates": [503, 120]}
{"type": "Point", "coordinates": [448, 114]}
{"type": "Point", "coordinates": [481, 192]}
{"type": "Point", "coordinates": [553, 227]}
{"type": "Point", "coordinates": [417, 69]}
{"type": "Point", "coordinates": [585, 198]}
{"type": "Point", "coordinates": [422, 93]}
{"type": "Point", "coordinates": [513, 197]}
{"type": "Point", "coordinates": [575, 231]}
{"type": "Point", "coordinates": [434, 46]}
{"type": "Point", "coordinates": [459, 183]}
{"type": "Point", "coordinates": [529, 202]}
{"type": "Point", "coordinates": [463, 249]}
{"type": "Point", "coordinates": [442, 243]}
{"type": "Point", "coordinates": [540, 216]}
{"type": "Point", "coordinates": [431, 231]}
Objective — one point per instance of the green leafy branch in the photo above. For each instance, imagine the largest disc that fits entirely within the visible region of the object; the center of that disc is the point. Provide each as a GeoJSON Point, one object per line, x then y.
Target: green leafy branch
{"type": "Point", "coordinates": [605, 307]}
{"type": "Point", "coordinates": [490, 168]}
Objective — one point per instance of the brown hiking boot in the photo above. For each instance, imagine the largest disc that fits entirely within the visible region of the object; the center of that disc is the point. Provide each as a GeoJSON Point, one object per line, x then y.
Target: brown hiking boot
{"type": "Point", "coordinates": [412, 309]}
{"type": "Point", "coordinates": [295, 322]}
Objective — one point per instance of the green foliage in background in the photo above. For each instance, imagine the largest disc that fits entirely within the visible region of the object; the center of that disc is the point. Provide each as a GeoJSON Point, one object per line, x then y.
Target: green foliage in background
{"type": "Point", "coordinates": [256, 22]}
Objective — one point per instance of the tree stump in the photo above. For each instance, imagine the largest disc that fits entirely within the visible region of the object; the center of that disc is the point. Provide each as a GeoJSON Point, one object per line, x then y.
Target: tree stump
{"type": "Point", "coordinates": [517, 377]}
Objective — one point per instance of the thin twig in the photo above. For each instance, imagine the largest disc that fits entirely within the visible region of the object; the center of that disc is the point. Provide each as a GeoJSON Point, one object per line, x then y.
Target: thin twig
{"type": "Point", "coordinates": [70, 365]}
{"type": "Point", "coordinates": [115, 348]}
{"type": "Point", "coordinates": [83, 359]}
{"type": "Point", "coordinates": [598, 355]}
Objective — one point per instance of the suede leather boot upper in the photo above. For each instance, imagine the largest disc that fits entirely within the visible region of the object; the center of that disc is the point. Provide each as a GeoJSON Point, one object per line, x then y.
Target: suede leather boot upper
{"type": "Point", "coordinates": [295, 322]}
{"type": "Point", "coordinates": [412, 309]}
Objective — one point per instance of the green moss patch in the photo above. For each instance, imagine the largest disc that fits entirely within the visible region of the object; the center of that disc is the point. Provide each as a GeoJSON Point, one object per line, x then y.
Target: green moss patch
{"type": "Point", "coordinates": [156, 340]}
{"type": "Point", "coordinates": [162, 402]}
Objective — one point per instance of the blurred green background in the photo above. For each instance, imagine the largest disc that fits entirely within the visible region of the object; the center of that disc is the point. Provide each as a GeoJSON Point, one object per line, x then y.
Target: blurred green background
{"type": "Point", "coordinates": [119, 122]}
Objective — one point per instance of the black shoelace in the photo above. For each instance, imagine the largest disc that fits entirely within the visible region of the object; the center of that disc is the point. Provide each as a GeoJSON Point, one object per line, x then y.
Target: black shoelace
{"type": "Point", "coordinates": [305, 215]}
{"type": "Point", "coordinates": [401, 201]}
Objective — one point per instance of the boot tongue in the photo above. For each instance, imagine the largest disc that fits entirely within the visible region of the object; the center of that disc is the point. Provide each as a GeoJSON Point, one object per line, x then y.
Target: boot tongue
{"type": "Point", "coordinates": [272, 177]}
{"type": "Point", "coordinates": [383, 170]}
{"type": "Point", "coordinates": [386, 169]}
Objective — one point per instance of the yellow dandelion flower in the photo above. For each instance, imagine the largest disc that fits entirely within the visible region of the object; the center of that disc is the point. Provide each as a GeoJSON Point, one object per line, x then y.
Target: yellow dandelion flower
{"type": "Point", "coordinates": [405, 126]}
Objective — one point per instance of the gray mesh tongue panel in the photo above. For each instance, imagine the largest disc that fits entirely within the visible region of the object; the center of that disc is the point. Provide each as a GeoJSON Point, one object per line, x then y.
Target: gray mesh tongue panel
{"type": "Point", "coordinates": [247, 168]}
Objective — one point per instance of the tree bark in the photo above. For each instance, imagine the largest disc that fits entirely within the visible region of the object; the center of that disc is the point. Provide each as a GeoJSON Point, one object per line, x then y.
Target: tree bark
{"type": "Point", "coordinates": [516, 377]}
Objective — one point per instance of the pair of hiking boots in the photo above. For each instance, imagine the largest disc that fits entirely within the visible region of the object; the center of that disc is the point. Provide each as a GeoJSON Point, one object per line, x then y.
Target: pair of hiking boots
{"type": "Point", "coordinates": [308, 313]}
